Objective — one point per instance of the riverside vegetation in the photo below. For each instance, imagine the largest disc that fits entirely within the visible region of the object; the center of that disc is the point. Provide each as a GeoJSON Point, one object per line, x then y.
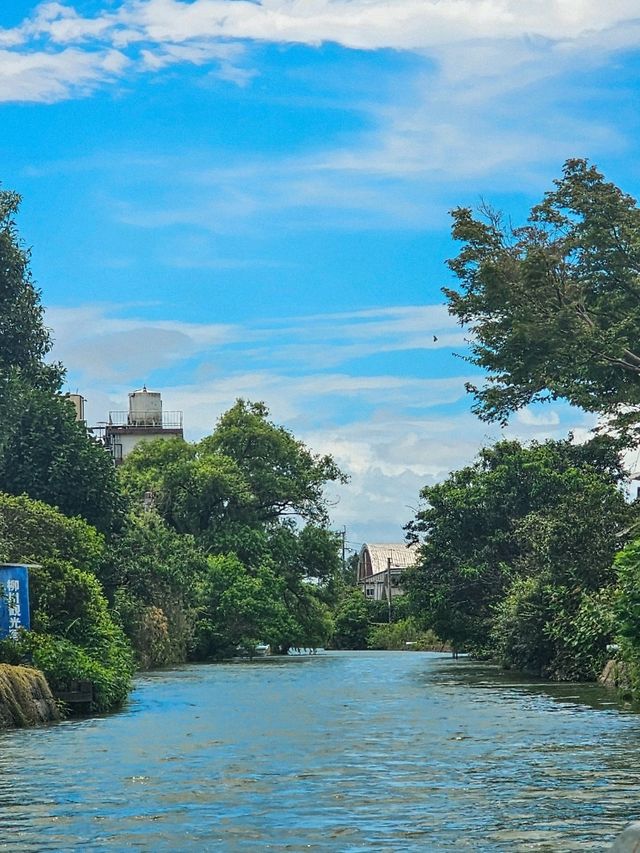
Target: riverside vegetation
{"type": "Point", "coordinates": [195, 551]}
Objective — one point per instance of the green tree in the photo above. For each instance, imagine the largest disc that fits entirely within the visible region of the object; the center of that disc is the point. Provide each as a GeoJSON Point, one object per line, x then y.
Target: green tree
{"type": "Point", "coordinates": [253, 492]}
{"type": "Point", "coordinates": [49, 456]}
{"type": "Point", "coordinates": [151, 575]}
{"type": "Point", "coordinates": [24, 340]}
{"type": "Point", "coordinates": [284, 476]}
{"type": "Point", "coordinates": [248, 473]}
{"type": "Point", "coordinates": [240, 609]}
{"type": "Point", "coordinates": [627, 611]}
{"type": "Point", "coordinates": [43, 452]}
{"type": "Point", "coordinates": [32, 531]}
{"type": "Point", "coordinates": [554, 305]}
{"type": "Point", "coordinates": [352, 621]}
{"type": "Point", "coordinates": [546, 510]}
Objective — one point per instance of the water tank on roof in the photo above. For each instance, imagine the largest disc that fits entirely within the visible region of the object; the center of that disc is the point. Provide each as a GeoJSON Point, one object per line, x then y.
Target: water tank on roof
{"type": "Point", "coordinates": [145, 408]}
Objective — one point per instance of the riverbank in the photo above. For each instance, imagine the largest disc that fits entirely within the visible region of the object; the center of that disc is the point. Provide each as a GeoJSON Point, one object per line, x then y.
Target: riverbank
{"type": "Point", "coordinates": [25, 698]}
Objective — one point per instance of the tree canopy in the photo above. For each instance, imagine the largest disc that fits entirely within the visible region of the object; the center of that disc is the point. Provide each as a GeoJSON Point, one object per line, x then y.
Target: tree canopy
{"type": "Point", "coordinates": [551, 510]}
{"type": "Point", "coordinates": [44, 453]}
{"type": "Point", "coordinates": [24, 340]}
{"type": "Point", "coordinates": [251, 496]}
{"type": "Point", "coordinates": [554, 305]}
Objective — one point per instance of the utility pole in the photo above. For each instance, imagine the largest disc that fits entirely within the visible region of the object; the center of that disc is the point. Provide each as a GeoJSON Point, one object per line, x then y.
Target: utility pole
{"type": "Point", "coordinates": [389, 585]}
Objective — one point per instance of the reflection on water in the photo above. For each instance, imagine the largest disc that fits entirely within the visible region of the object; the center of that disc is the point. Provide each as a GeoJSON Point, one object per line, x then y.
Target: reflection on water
{"type": "Point", "coordinates": [357, 751]}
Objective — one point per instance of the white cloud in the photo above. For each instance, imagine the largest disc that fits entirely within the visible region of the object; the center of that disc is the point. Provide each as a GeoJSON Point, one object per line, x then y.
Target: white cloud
{"type": "Point", "coordinates": [479, 103]}
{"type": "Point", "coordinates": [46, 76]}
{"type": "Point", "coordinates": [392, 456]}
{"type": "Point", "coordinates": [393, 434]}
{"type": "Point", "coordinates": [98, 343]}
{"type": "Point", "coordinates": [361, 24]}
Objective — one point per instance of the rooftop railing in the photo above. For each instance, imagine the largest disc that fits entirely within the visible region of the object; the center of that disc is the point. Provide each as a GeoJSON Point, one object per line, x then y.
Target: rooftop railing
{"type": "Point", "coordinates": [146, 420]}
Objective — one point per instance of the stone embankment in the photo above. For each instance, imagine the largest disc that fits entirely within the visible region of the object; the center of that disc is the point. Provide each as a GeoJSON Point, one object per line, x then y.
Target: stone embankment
{"type": "Point", "coordinates": [25, 698]}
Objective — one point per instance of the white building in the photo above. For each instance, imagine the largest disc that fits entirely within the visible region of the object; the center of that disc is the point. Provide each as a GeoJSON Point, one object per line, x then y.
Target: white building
{"type": "Point", "coordinates": [145, 421]}
{"type": "Point", "coordinates": [380, 567]}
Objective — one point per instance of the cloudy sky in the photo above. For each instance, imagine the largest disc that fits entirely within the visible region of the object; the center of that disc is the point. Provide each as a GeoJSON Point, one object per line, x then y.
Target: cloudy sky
{"type": "Point", "coordinates": [250, 198]}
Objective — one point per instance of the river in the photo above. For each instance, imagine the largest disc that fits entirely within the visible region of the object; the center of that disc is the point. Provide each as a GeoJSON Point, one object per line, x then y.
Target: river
{"type": "Point", "coordinates": [351, 751]}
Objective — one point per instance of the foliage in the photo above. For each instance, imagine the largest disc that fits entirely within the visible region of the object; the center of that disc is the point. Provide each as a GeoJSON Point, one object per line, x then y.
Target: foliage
{"type": "Point", "coordinates": [24, 340]}
{"type": "Point", "coordinates": [627, 611]}
{"type": "Point", "coordinates": [108, 667]}
{"type": "Point", "coordinates": [352, 621]}
{"type": "Point", "coordinates": [73, 634]}
{"type": "Point", "coordinates": [396, 635]}
{"type": "Point", "coordinates": [554, 305]}
{"type": "Point", "coordinates": [31, 531]}
{"type": "Point", "coordinates": [519, 630]}
{"type": "Point", "coordinates": [283, 475]}
{"type": "Point", "coordinates": [150, 574]}
{"type": "Point", "coordinates": [551, 509]}
{"type": "Point", "coordinates": [44, 453]}
{"type": "Point", "coordinates": [248, 473]}
{"type": "Point", "coordinates": [400, 609]}
{"type": "Point", "coordinates": [554, 631]}
{"type": "Point", "coordinates": [240, 609]}
{"type": "Point", "coordinates": [69, 607]}
{"type": "Point", "coordinates": [49, 456]}
{"type": "Point", "coordinates": [252, 493]}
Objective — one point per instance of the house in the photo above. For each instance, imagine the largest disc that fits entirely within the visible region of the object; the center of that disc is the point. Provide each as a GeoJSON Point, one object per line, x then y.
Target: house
{"type": "Point", "coordinates": [380, 567]}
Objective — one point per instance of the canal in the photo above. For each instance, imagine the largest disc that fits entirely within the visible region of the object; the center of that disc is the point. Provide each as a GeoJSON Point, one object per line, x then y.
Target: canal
{"type": "Point", "coordinates": [352, 751]}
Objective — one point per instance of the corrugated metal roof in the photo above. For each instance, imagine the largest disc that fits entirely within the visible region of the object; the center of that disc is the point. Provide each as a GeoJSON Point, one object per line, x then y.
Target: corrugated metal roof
{"type": "Point", "coordinates": [402, 555]}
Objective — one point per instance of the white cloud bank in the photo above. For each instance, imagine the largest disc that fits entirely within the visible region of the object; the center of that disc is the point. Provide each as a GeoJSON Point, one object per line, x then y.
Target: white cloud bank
{"type": "Point", "coordinates": [393, 434]}
{"type": "Point", "coordinates": [467, 38]}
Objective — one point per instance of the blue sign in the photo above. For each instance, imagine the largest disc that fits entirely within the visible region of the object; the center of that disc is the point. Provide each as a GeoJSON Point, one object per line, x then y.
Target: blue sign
{"type": "Point", "coordinates": [14, 600]}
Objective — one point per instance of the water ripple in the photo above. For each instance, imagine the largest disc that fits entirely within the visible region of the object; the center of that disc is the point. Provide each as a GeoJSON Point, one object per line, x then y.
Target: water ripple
{"type": "Point", "coordinates": [341, 752]}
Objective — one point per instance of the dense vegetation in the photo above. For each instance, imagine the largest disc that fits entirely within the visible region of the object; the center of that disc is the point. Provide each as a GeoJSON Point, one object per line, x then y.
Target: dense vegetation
{"type": "Point", "coordinates": [518, 558]}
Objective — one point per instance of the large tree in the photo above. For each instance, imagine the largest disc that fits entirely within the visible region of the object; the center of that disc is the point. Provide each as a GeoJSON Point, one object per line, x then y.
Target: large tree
{"type": "Point", "coordinates": [44, 453]}
{"type": "Point", "coordinates": [254, 492]}
{"type": "Point", "coordinates": [552, 509]}
{"type": "Point", "coordinates": [554, 305]}
{"type": "Point", "coordinates": [24, 340]}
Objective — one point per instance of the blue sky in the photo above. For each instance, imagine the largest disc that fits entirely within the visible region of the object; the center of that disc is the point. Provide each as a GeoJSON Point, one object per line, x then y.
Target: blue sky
{"type": "Point", "coordinates": [228, 198]}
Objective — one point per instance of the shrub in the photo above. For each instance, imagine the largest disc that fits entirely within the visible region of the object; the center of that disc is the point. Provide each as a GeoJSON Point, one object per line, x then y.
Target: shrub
{"type": "Point", "coordinates": [396, 635]}
{"type": "Point", "coordinates": [553, 631]}
{"type": "Point", "coordinates": [627, 610]}
{"type": "Point", "coordinates": [108, 668]}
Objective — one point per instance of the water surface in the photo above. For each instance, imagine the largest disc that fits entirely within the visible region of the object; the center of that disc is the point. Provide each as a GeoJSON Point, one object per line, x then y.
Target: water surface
{"type": "Point", "coordinates": [352, 751]}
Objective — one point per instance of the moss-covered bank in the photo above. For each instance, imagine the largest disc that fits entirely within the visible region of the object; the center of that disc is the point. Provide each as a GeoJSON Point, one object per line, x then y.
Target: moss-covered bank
{"type": "Point", "coordinates": [25, 698]}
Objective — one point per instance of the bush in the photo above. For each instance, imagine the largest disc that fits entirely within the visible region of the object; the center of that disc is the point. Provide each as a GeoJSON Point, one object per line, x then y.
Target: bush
{"type": "Point", "coordinates": [519, 630]}
{"type": "Point", "coordinates": [109, 667]}
{"type": "Point", "coordinates": [240, 608]}
{"type": "Point", "coordinates": [627, 611]}
{"type": "Point", "coordinates": [554, 631]}
{"type": "Point", "coordinates": [74, 636]}
{"type": "Point", "coordinates": [151, 576]}
{"type": "Point", "coordinates": [396, 635]}
{"type": "Point", "coordinates": [32, 531]}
